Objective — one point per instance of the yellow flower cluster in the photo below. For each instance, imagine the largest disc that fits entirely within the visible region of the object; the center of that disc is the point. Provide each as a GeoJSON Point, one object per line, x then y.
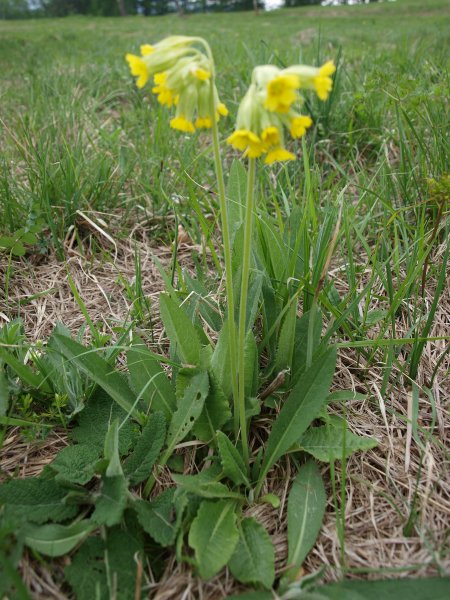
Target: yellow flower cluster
{"type": "Point", "coordinates": [271, 106]}
{"type": "Point", "coordinates": [182, 78]}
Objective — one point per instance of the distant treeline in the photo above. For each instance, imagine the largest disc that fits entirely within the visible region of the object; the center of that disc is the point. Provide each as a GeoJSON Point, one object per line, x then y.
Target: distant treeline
{"type": "Point", "coordinates": [17, 9]}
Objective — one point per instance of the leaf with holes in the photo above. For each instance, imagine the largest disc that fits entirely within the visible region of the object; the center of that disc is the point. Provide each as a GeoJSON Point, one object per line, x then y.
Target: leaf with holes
{"type": "Point", "coordinates": [253, 560]}
{"type": "Point", "coordinates": [189, 409]}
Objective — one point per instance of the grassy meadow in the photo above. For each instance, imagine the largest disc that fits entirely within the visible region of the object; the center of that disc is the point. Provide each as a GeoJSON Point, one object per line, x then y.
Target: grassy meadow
{"type": "Point", "coordinates": [85, 156]}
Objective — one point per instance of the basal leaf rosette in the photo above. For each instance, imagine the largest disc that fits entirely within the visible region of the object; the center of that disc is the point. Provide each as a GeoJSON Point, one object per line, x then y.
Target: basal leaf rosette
{"type": "Point", "coordinates": [182, 77]}
{"type": "Point", "coordinates": [271, 109]}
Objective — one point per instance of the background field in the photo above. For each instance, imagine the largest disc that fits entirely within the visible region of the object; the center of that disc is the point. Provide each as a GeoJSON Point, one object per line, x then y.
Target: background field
{"type": "Point", "coordinates": [76, 135]}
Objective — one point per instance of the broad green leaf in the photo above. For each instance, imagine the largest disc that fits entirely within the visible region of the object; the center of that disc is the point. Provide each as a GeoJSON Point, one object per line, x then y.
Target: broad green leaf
{"type": "Point", "coordinates": [213, 536]}
{"type": "Point", "coordinates": [112, 501]}
{"type": "Point", "coordinates": [139, 464]}
{"type": "Point", "coordinates": [188, 411]}
{"type": "Point", "coordinates": [100, 371]}
{"type": "Point", "coordinates": [86, 573]}
{"type": "Point", "coordinates": [216, 412]}
{"type": "Point", "coordinates": [253, 560]}
{"type": "Point", "coordinates": [232, 462]}
{"type": "Point", "coordinates": [56, 540]}
{"type": "Point", "coordinates": [158, 517]}
{"type": "Point", "coordinates": [286, 341]}
{"type": "Point", "coordinates": [334, 441]}
{"type": "Point", "coordinates": [76, 464]}
{"type": "Point", "coordinates": [35, 500]}
{"type": "Point", "coordinates": [149, 379]}
{"type": "Point", "coordinates": [306, 508]}
{"type": "Point", "coordinates": [180, 330]}
{"type": "Point", "coordinates": [95, 419]}
{"type": "Point", "coordinates": [206, 489]}
{"type": "Point", "coordinates": [299, 410]}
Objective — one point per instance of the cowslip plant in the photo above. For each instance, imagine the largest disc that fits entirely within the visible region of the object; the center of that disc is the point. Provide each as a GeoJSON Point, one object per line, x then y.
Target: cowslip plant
{"type": "Point", "coordinates": [211, 387]}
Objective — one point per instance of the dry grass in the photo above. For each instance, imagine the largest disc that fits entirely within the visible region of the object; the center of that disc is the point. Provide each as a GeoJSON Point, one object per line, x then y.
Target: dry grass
{"type": "Point", "coordinates": [381, 485]}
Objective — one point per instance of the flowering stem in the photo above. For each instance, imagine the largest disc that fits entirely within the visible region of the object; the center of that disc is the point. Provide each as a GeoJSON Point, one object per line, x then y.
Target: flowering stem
{"type": "Point", "coordinates": [248, 222]}
{"type": "Point", "coordinates": [231, 324]}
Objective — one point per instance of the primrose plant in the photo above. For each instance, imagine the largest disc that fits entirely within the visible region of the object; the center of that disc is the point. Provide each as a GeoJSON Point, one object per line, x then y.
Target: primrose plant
{"type": "Point", "coordinates": [234, 397]}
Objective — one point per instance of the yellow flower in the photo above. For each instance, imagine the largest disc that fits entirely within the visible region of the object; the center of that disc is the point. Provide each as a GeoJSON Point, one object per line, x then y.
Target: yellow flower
{"type": "Point", "coordinates": [164, 93]}
{"type": "Point", "coordinates": [182, 124]}
{"type": "Point", "coordinates": [278, 154]}
{"type": "Point", "coordinates": [222, 109]}
{"type": "Point", "coordinates": [146, 49]}
{"type": "Point", "coordinates": [138, 68]}
{"type": "Point", "coordinates": [202, 74]}
{"type": "Point", "coordinates": [271, 136]}
{"type": "Point", "coordinates": [247, 141]}
{"type": "Point", "coordinates": [203, 123]}
{"type": "Point", "coordinates": [298, 125]}
{"type": "Point", "coordinates": [323, 82]}
{"type": "Point", "coordinates": [282, 92]}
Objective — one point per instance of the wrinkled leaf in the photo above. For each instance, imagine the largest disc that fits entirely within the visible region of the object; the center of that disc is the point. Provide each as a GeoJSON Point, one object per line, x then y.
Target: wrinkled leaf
{"type": "Point", "coordinates": [112, 501]}
{"type": "Point", "coordinates": [76, 464]}
{"type": "Point", "coordinates": [139, 464]}
{"type": "Point", "coordinates": [158, 517]}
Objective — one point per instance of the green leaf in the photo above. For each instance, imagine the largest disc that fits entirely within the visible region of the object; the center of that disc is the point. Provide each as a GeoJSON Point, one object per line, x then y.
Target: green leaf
{"type": "Point", "coordinates": [286, 341]}
{"type": "Point", "coordinates": [306, 508]}
{"type": "Point", "coordinates": [253, 560]}
{"type": "Point", "coordinates": [334, 441]}
{"type": "Point", "coordinates": [95, 419]}
{"type": "Point", "coordinates": [213, 536]}
{"type": "Point", "coordinates": [139, 464]}
{"type": "Point", "coordinates": [188, 411]}
{"type": "Point", "coordinates": [195, 484]}
{"type": "Point", "coordinates": [251, 365]}
{"type": "Point", "coordinates": [149, 379]}
{"type": "Point", "coordinates": [24, 372]}
{"type": "Point", "coordinates": [221, 363]}
{"type": "Point", "coordinates": [99, 370]}
{"type": "Point", "coordinates": [301, 341]}
{"type": "Point", "coordinates": [236, 191]}
{"type": "Point", "coordinates": [254, 294]}
{"type": "Point", "coordinates": [232, 462]}
{"type": "Point", "coordinates": [299, 410]}
{"type": "Point", "coordinates": [111, 451]}
{"type": "Point", "coordinates": [435, 588]}
{"type": "Point", "coordinates": [216, 412]}
{"type": "Point", "coordinates": [158, 517]}
{"type": "Point", "coordinates": [112, 501]}
{"type": "Point", "coordinates": [35, 500]}
{"type": "Point", "coordinates": [180, 330]}
{"type": "Point", "coordinates": [4, 391]}
{"type": "Point", "coordinates": [101, 570]}
{"type": "Point", "coordinates": [76, 464]}
{"type": "Point", "coordinates": [86, 574]}
{"type": "Point", "coordinates": [56, 540]}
